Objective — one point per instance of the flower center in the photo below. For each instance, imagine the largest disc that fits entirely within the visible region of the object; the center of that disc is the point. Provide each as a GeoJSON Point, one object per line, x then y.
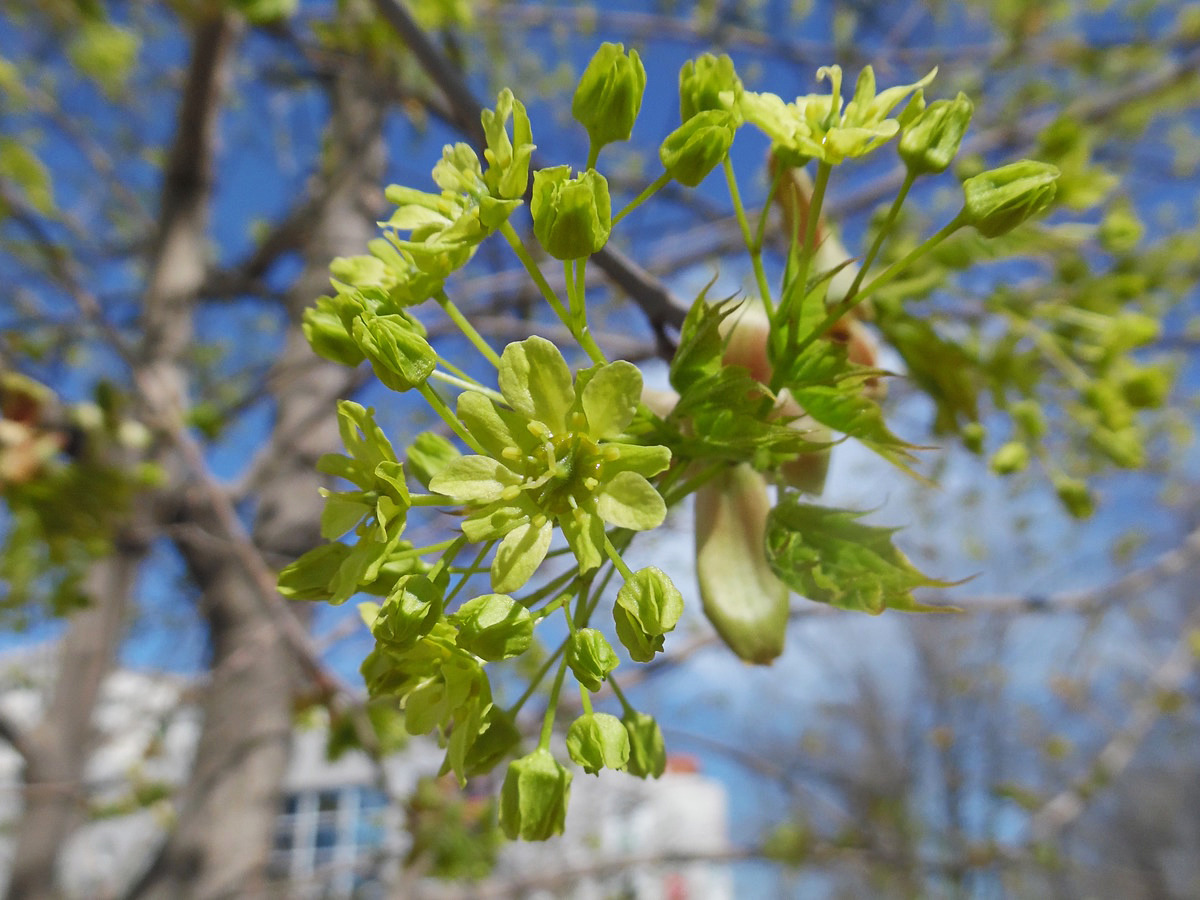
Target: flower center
{"type": "Point", "coordinates": [573, 467]}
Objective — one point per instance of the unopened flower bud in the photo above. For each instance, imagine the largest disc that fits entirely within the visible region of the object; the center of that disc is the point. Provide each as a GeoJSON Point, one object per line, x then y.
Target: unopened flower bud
{"type": "Point", "coordinates": [997, 201]}
{"type": "Point", "coordinates": [1074, 496]}
{"type": "Point", "coordinates": [930, 143]}
{"type": "Point", "coordinates": [494, 627]}
{"type": "Point", "coordinates": [533, 800]}
{"type": "Point", "coordinates": [609, 95]}
{"type": "Point", "coordinates": [598, 741]}
{"type": "Point", "coordinates": [708, 83]}
{"type": "Point", "coordinates": [571, 216]}
{"type": "Point", "coordinates": [697, 146]}
{"type": "Point", "coordinates": [647, 753]}
{"type": "Point", "coordinates": [1013, 457]}
{"type": "Point", "coordinates": [590, 657]}
{"type": "Point", "coordinates": [410, 611]}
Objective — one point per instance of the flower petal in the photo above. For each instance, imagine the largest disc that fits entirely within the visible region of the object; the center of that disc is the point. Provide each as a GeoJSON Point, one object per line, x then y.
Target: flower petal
{"type": "Point", "coordinates": [536, 382]}
{"type": "Point", "coordinates": [584, 531]}
{"type": "Point", "coordinates": [610, 397]}
{"type": "Point", "coordinates": [473, 479]}
{"type": "Point", "coordinates": [630, 501]}
{"type": "Point", "coordinates": [519, 555]}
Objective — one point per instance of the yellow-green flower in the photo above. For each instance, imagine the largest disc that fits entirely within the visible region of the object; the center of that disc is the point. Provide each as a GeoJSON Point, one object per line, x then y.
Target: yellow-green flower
{"type": "Point", "coordinates": [553, 456]}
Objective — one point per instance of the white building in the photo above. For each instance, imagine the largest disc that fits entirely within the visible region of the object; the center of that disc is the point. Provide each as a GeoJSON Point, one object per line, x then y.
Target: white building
{"type": "Point", "coordinates": [339, 833]}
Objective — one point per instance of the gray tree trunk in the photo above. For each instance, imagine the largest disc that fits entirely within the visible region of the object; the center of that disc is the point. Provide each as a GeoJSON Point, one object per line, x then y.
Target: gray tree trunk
{"type": "Point", "coordinates": [227, 811]}
{"type": "Point", "coordinates": [56, 751]}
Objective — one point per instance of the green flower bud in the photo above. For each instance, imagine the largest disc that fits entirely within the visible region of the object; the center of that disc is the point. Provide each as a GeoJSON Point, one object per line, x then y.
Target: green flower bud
{"type": "Point", "coordinates": [410, 611]}
{"type": "Point", "coordinates": [697, 146]}
{"type": "Point", "coordinates": [1107, 401]}
{"type": "Point", "coordinates": [708, 83]}
{"type": "Point", "coordinates": [428, 455]}
{"type": "Point", "coordinates": [1013, 457]}
{"type": "Point", "coordinates": [533, 800]}
{"type": "Point", "coordinates": [973, 436]}
{"type": "Point", "coordinates": [1029, 418]}
{"type": "Point", "coordinates": [494, 627]}
{"type": "Point", "coordinates": [1130, 330]}
{"type": "Point", "coordinates": [930, 143]}
{"type": "Point", "coordinates": [571, 216]}
{"type": "Point", "coordinates": [1123, 447]}
{"type": "Point", "coordinates": [598, 741]}
{"type": "Point", "coordinates": [1146, 388]}
{"type": "Point", "coordinates": [647, 752]}
{"type": "Point", "coordinates": [590, 657]}
{"type": "Point", "coordinates": [399, 355]}
{"type": "Point", "coordinates": [327, 334]}
{"type": "Point", "coordinates": [652, 600]}
{"type": "Point", "coordinates": [1120, 230]}
{"type": "Point", "coordinates": [1074, 496]}
{"type": "Point", "coordinates": [997, 201]}
{"type": "Point", "coordinates": [633, 636]}
{"type": "Point", "coordinates": [609, 95]}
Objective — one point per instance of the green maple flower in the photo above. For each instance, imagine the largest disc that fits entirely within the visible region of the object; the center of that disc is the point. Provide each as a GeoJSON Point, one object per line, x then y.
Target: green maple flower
{"type": "Point", "coordinates": [817, 126]}
{"type": "Point", "coordinates": [553, 457]}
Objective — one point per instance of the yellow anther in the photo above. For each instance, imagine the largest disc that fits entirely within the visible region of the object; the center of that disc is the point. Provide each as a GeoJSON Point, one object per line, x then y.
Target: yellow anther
{"type": "Point", "coordinates": [511, 453]}
{"type": "Point", "coordinates": [512, 492]}
{"type": "Point", "coordinates": [591, 483]}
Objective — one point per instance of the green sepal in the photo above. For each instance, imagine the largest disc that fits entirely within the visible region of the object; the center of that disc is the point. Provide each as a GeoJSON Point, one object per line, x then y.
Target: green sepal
{"type": "Point", "coordinates": [572, 217]}
{"type": "Point", "coordinates": [520, 554]}
{"type": "Point", "coordinates": [997, 201]}
{"type": "Point", "coordinates": [652, 600]}
{"type": "Point", "coordinates": [647, 751]}
{"type": "Point", "coordinates": [590, 657]}
{"type": "Point", "coordinates": [609, 94]}
{"type": "Point", "coordinates": [408, 613]}
{"type": "Point", "coordinates": [494, 627]}
{"type": "Point", "coordinates": [708, 83]}
{"type": "Point", "coordinates": [634, 638]}
{"type": "Point", "coordinates": [699, 145]}
{"type": "Point", "coordinates": [598, 741]}
{"type": "Point", "coordinates": [401, 358]}
{"type": "Point", "coordinates": [533, 799]}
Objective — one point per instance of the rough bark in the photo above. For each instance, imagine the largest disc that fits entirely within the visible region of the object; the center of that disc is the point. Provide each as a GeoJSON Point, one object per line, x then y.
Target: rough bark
{"type": "Point", "coordinates": [227, 811]}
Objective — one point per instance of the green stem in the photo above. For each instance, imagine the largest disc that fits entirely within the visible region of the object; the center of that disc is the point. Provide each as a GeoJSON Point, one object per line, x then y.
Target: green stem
{"type": "Point", "coordinates": [626, 706]}
{"type": "Point", "coordinates": [447, 557]}
{"type": "Point", "coordinates": [438, 406]}
{"type": "Point", "coordinates": [593, 155]}
{"type": "Point", "coordinates": [888, 274]}
{"type": "Point", "coordinates": [809, 250]}
{"type": "Point", "coordinates": [692, 484]}
{"type": "Point", "coordinates": [427, 500]}
{"type": "Point", "coordinates": [518, 247]}
{"type": "Point", "coordinates": [552, 706]}
{"type": "Point", "coordinates": [609, 549]}
{"type": "Point", "coordinates": [575, 274]}
{"type": "Point", "coordinates": [649, 191]}
{"type": "Point", "coordinates": [585, 699]}
{"type": "Point", "coordinates": [884, 231]}
{"type": "Point", "coordinates": [474, 565]}
{"type": "Point", "coordinates": [467, 328]}
{"type": "Point", "coordinates": [597, 592]}
{"type": "Point", "coordinates": [536, 680]}
{"type": "Point", "coordinates": [466, 385]}
{"type": "Point", "coordinates": [753, 244]}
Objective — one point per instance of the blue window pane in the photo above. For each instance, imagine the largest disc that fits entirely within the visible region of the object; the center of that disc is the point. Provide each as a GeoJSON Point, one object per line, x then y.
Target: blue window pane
{"type": "Point", "coordinates": [327, 801]}
{"type": "Point", "coordinates": [327, 836]}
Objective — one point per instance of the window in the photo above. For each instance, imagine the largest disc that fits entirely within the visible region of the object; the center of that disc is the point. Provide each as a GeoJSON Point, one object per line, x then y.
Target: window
{"type": "Point", "coordinates": [330, 843]}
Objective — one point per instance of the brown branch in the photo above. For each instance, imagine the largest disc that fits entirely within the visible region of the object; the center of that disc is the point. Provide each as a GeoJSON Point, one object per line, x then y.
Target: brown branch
{"type": "Point", "coordinates": [15, 737]}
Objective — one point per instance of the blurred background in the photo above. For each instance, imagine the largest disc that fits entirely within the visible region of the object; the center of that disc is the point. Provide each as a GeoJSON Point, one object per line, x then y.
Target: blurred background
{"type": "Point", "coordinates": [175, 178]}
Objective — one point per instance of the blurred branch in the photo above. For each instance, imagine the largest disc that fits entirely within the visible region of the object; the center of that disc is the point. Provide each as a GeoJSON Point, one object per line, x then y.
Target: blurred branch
{"type": "Point", "coordinates": [15, 737]}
